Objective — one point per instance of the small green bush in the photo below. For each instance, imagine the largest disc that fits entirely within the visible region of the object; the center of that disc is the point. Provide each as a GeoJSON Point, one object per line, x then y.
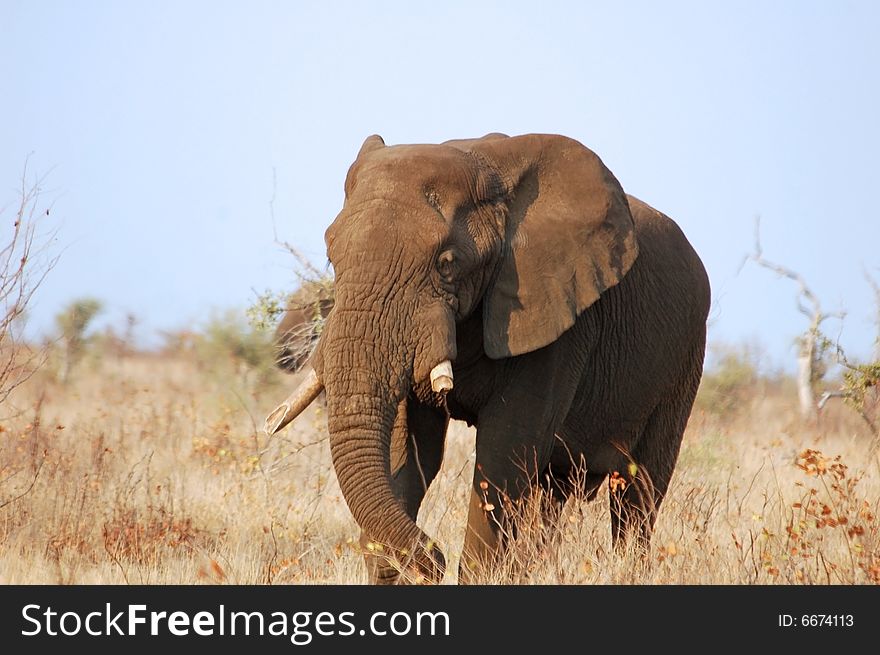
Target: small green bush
{"type": "Point", "coordinates": [228, 345]}
{"type": "Point", "coordinates": [728, 383]}
{"type": "Point", "coordinates": [72, 324]}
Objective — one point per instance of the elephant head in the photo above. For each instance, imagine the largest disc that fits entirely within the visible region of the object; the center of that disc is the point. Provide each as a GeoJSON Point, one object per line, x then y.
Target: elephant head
{"type": "Point", "coordinates": [527, 231]}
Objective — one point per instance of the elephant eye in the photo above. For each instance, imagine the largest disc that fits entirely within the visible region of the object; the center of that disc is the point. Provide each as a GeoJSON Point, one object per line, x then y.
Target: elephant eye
{"type": "Point", "coordinates": [445, 264]}
{"type": "Point", "coordinates": [433, 199]}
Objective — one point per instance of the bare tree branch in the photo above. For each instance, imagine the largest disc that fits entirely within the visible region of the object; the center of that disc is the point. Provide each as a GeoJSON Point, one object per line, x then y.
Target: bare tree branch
{"type": "Point", "coordinates": [859, 381]}
{"type": "Point", "coordinates": [875, 287]}
{"type": "Point", "coordinates": [810, 343]}
{"type": "Point", "coordinates": [24, 265]}
{"type": "Point", "coordinates": [815, 313]}
{"type": "Point", "coordinates": [29, 487]}
{"type": "Point", "coordinates": [860, 387]}
{"type": "Point", "coordinates": [309, 272]}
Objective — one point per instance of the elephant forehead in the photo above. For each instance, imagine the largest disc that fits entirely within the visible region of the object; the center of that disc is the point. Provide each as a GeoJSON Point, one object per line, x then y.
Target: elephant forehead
{"type": "Point", "coordinates": [413, 171]}
{"type": "Point", "coordinates": [380, 229]}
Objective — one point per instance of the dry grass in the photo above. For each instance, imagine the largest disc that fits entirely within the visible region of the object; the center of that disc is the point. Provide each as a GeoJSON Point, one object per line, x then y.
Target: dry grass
{"type": "Point", "coordinates": [151, 470]}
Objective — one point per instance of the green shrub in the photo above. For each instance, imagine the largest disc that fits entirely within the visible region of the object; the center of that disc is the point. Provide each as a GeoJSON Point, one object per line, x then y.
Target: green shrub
{"type": "Point", "coordinates": [729, 381]}
{"type": "Point", "coordinates": [227, 345]}
{"type": "Point", "coordinates": [72, 323]}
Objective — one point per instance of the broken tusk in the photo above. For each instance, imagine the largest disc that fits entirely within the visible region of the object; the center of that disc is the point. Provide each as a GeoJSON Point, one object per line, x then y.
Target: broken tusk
{"type": "Point", "coordinates": [305, 393]}
{"type": "Point", "coordinates": [441, 377]}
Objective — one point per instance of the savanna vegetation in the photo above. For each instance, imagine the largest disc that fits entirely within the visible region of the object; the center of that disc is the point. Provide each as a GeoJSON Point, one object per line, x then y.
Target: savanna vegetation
{"type": "Point", "coordinates": [150, 467]}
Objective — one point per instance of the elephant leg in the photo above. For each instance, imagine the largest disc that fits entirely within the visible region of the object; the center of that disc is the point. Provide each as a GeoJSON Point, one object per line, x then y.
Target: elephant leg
{"type": "Point", "coordinates": [553, 490]}
{"type": "Point", "coordinates": [635, 499]}
{"type": "Point", "coordinates": [515, 442]}
{"type": "Point", "coordinates": [491, 530]}
{"type": "Point", "coordinates": [509, 456]}
{"type": "Point", "coordinates": [556, 487]}
{"type": "Point", "coordinates": [416, 455]}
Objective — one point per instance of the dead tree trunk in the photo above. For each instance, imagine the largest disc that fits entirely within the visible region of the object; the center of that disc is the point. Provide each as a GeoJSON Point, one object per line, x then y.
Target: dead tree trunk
{"type": "Point", "coordinates": [805, 376]}
{"type": "Point", "coordinates": [810, 369]}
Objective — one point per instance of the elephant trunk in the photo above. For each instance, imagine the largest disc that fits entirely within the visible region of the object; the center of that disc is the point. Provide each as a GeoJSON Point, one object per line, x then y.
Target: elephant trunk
{"type": "Point", "coordinates": [362, 408]}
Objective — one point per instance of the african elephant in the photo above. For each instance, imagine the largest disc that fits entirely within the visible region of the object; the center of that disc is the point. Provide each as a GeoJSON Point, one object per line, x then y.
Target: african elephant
{"type": "Point", "coordinates": [508, 282]}
{"type": "Point", "coordinates": [298, 330]}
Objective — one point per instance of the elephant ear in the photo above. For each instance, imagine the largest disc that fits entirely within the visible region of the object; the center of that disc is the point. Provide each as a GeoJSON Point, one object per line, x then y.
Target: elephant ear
{"type": "Point", "coordinates": [373, 142]}
{"type": "Point", "coordinates": [569, 236]}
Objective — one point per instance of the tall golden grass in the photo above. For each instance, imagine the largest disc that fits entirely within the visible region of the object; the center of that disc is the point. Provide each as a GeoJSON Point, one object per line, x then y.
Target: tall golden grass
{"type": "Point", "coordinates": [151, 470]}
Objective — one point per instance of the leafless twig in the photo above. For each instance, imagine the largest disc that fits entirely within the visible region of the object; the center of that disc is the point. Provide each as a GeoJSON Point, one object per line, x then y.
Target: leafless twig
{"type": "Point", "coordinates": [24, 265]}
{"type": "Point", "coordinates": [875, 287]}
{"type": "Point", "coordinates": [814, 312]}
{"type": "Point", "coordinates": [810, 343]}
{"type": "Point", "coordinates": [29, 488]}
{"type": "Point", "coordinates": [309, 272]}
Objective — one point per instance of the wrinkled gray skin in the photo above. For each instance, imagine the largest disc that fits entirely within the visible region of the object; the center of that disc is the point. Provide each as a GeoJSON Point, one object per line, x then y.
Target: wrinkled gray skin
{"type": "Point", "coordinates": [297, 332]}
{"type": "Point", "coordinates": [574, 315]}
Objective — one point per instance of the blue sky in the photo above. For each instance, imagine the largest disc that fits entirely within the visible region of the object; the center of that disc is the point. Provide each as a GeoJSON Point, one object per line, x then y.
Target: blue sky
{"type": "Point", "coordinates": [162, 124]}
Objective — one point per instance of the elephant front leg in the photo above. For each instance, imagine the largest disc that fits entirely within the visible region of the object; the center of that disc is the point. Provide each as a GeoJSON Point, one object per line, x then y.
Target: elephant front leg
{"type": "Point", "coordinates": [482, 540]}
{"type": "Point", "coordinates": [515, 440]}
{"type": "Point", "coordinates": [505, 473]}
{"type": "Point", "coordinates": [417, 442]}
